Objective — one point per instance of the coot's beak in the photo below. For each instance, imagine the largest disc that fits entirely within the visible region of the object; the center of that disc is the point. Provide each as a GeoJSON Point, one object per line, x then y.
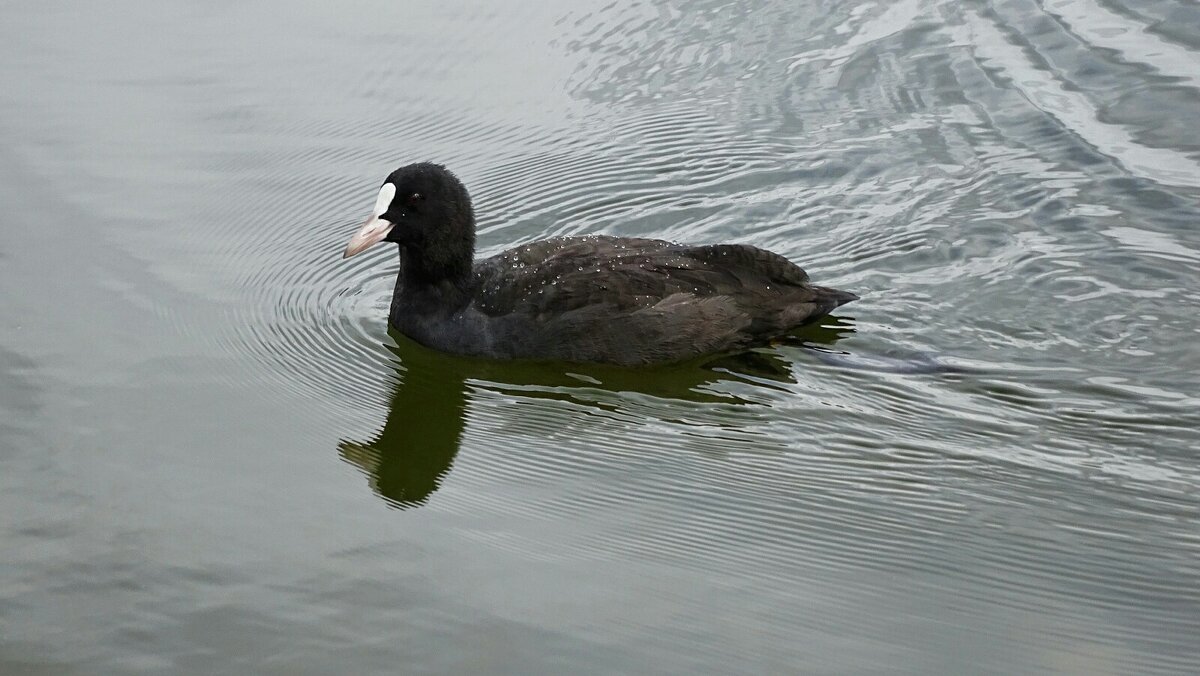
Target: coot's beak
{"type": "Point", "coordinates": [374, 230]}
{"type": "Point", "coordinates": [376, 227]}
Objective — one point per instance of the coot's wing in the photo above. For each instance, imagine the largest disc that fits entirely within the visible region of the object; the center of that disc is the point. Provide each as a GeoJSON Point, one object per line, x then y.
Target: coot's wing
{"type": "Point", "coordinates": [556, 276]}
{"type": "Point", "coordinates": [563, 274]}
{"type": "Point", "coordinates": [750, 265]}
{"type": "Point", "coordinates": [642, 301]}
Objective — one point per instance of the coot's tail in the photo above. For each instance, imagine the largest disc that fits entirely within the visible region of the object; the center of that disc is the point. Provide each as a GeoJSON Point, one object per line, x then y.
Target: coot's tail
{"type": "Point", "coordinates": [832, 298]}
{"type": "Point", "coordinates": [821, 301]}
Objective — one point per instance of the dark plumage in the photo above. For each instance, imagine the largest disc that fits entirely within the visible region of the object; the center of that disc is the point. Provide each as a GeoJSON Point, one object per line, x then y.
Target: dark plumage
{"type": "Point", "coordinates": [586, 299]}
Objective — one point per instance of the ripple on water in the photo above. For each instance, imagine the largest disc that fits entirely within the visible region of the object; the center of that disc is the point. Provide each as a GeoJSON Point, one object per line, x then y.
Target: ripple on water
{"type": "Point", "coordinates": [988, 464]}
{"type": "Point", "coordinates": [961, 171]}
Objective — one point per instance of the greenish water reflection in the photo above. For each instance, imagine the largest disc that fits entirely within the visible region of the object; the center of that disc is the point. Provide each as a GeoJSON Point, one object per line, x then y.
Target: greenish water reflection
{"type": "Point", "coordinates": [409, 458]}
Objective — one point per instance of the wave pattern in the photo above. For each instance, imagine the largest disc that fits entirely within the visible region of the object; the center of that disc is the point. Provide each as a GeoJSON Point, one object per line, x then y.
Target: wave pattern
{"type": "Point", "coordinates": [985, 465]}
{"type": "Point", "coordinates": [976, 171]}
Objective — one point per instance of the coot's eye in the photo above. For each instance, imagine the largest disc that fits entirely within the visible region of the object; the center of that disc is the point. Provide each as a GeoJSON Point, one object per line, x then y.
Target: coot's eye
{"type": "Point", "coordinates": [414, 198]}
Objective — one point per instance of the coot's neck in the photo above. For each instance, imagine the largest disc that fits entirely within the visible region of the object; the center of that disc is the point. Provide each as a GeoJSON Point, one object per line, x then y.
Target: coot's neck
{"type": "Point", "coordinates": [430, 286]}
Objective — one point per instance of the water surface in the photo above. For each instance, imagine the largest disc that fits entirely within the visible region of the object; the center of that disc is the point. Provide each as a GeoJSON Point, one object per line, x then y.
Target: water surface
{"type": "Point", "coordinates": [215, 459]}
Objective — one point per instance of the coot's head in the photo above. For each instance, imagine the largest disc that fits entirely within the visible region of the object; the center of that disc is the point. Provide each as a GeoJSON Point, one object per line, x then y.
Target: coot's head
{"type": "Point", "coordinates": [424, 208]}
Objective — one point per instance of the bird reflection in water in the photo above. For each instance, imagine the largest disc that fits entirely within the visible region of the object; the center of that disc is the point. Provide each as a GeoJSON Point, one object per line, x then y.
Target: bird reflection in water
{"type": "Point", "coordinates": [410, 457]}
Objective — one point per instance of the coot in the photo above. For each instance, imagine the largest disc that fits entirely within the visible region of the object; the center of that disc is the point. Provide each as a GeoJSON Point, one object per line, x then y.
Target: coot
{"type": "Point", "coordinates": [595, 298]}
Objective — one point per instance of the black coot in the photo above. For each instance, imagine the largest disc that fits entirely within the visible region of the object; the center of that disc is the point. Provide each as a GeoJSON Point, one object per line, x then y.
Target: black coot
{"type": "Point", "coordinates": [587, 299]}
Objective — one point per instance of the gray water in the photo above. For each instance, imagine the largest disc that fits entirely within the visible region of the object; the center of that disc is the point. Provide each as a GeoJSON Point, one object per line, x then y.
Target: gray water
{"type": "Point", "coordinates": [215, 459]}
